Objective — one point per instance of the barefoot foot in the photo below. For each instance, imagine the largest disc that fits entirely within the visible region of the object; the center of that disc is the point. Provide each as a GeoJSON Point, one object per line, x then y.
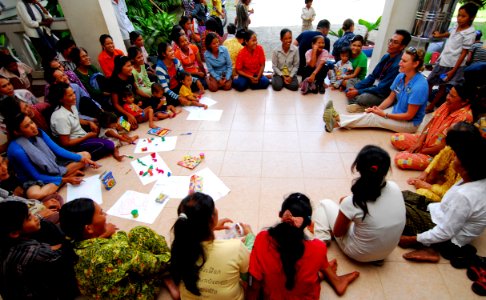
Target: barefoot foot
{"type": "Point", "coordinates": [423, 255]}
{"type": "Point", "coordinates": [133, 138]}
{"type": "Point", "coordinates": [117, 156]}
{"type": "Point", "coordinates": [344, 281]}
{"type": "Point", "coordinates": [333, 265]}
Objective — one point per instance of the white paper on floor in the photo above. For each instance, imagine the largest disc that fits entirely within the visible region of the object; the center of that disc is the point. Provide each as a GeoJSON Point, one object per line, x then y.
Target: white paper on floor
{"type": "Point", "coordinates": [156, 144]}
{"type": "Point", "coordinates": [143, 165]}
{"type": "Point", "coordinates": [90, 188]}
{"type": "Point", "coordinates": [173, 186]}
{"type": "Point", "coordinates": [204, 100]}
{"type": "Point", "coordinates": [212, 185]}
{"type": "Point", "coordinates": [178, 186]}
{"type": "Point", "coordinates": [148, 209]}
{"type": "Point", "coordinates": [205, 115]}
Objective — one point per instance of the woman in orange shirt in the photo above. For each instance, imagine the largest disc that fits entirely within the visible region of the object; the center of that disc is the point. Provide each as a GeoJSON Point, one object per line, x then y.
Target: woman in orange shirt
{"type": "Point", "coordinates": [108, 54]}
{"type": "Point", "coordinates": [188, 55]}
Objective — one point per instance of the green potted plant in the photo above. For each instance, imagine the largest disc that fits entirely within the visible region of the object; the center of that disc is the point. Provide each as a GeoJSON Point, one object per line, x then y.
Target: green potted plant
{"type": "Point", "coordinates": [369, 27]}
{"type": "Point", "coordinates": [368, 45]}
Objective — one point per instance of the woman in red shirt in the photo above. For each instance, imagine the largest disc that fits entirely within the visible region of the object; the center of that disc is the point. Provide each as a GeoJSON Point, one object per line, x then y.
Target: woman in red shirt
{"type": "Point", "coordinates": [284, 264]}
{"type": "Point", "coordinates": [107, 56]}
{"type": "Point", "coordinates": [250, 64]}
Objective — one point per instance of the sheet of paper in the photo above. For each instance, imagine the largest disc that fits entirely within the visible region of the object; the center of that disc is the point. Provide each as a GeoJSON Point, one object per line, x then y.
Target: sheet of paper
{"type": "Point", "coordinates": [89, 188]}
{"type": "Point", "coordinates": [148, 209]}
{"type": "Point", "coordinates": [176, 187]}
{"type": "Point", "coordinates": [205, 115]}
{"type": "Point", "coordinates": [204, 100]}
{"type": "Point", "coordinates": [156, 144]}
{"type": "Point", "coordinates": [143, 165]}
{"type": "Point", "coordinates": [212, 185]}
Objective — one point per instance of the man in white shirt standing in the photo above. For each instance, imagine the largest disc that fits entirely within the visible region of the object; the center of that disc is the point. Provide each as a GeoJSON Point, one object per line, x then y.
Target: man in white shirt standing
{"type": "Point", "coordinates": [124, 22]}
{"type": "Point", "coordinates": [460, 217]}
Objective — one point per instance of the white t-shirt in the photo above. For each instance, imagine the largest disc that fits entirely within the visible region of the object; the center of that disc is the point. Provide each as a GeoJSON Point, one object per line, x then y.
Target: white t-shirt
{"type": "Point", "coordinates": [219, 278]}
{"type": "Point", "coordinates": [454, 45]}
{"type": "Point", "coordinates": [378, 234]}
{"type": "Point", "coordinates": [65, 122]}
{"type": "Point", "coordinates": [459, 217]}
{"type": "Point", "coordinates": [103, 135]}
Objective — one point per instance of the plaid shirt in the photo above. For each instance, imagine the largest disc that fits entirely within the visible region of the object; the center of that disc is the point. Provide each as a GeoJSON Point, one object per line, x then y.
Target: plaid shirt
{"type": "Point", "coordinates": [26, 271]}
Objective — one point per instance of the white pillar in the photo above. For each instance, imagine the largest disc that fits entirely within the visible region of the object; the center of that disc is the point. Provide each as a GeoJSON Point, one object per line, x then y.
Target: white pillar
{"type": "Point", "coordinates": [87, 20]}
{"type": "Point", "coordinates": [397, 14]}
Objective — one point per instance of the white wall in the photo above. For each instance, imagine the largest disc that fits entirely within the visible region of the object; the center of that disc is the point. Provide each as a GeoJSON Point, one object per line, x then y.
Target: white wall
{"type": "Point", "coordinates": [397, 14]}
{"type": "Point", "coordinates": [87, 20]}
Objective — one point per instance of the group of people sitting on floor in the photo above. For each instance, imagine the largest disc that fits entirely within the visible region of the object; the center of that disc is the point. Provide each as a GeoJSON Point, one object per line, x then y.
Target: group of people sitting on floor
{"type": "Point", "coordinates": [86, 255]}
{"type": "Point", "coordinates": [52, 250]}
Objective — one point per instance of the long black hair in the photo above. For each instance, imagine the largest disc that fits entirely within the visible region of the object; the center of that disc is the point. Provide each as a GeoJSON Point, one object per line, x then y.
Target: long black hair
{"type": "Point", "coordinates": [247, 37]}
{"type": "Point", "coordinates": [103, 38]}
{"type": "Point", "coordinates": [12, 217]}
{"type": "Point", "coordinates": [56, 93]}
{"type": "Point", "coordinates": [193, 226]}
{"type": "Point", "coordinates": [289, 240]}
{"type": "Point", "coordinates": [75, 215]}
{"type": "Point", "coordinates": [162, 49]}
{"type": "Point", "coordinates": [132, 52]}
{"type": "Point", "coordinates": [13, 123]}
{"type": "Point", "coordinates": [469, 147]}
{"type": "Point", "coordinates": [209, 40]}
{"type": "Point", "coordinates": [120, 62]}
{"type": "Point", "coordinates": [373, 164]}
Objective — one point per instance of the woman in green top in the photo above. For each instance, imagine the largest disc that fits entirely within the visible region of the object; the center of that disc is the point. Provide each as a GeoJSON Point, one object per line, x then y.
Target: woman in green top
{"type": "Point", "coordinates": [85, 70]}
{"type": "Point", "coordinates": [358, 60]}
{"type": "Point", "coordinates": [139, 71]}
{"type": "Point", "coordinates": [111, 264]}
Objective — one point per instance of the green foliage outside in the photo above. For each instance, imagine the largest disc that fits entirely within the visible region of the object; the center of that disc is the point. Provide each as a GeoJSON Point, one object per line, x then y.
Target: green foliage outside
{"type": "Point", "coordinates": [153, 19]}
{"type": "Point", "coordinates": [480, 3]}
{"type": "Point", "coordinates": [338, 34]}
{"type": "Point", "coordinates": [369, 27]}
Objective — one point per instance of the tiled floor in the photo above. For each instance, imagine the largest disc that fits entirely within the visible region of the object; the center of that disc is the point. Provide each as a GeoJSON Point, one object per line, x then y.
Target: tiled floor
{"type": "Point", "coordinates": [269, 144]}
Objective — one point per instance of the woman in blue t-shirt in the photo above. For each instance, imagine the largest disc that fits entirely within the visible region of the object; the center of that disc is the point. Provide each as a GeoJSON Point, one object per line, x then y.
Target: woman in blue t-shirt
{"type": "Point", "coordinates": [410, 93]}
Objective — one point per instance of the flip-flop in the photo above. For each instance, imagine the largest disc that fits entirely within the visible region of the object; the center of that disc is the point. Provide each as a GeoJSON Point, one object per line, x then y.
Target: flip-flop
{"type": "Point", "coordinates": [477, 268]}
{"type": "Point", "coordinates": [475, 272]}
{"type": "Point", "coordinates": [479, 287]}
{"type": "Point", "coordinates": [431, 259]}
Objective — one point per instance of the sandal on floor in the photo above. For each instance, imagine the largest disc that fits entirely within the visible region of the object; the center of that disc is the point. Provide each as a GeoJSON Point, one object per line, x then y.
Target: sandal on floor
{"type": "Point", "coordinates": [423, 255]}
{"type": "Point", "coordinates": [477, 269]}
{"type": "Point", "coordinates": [479, 287]}
{"type": "Point", "coordinates": [462, 262]}
{"type": "Point", "coordinates": [451, 251]}
{"type": "Point", "coordinates": [475, 272]}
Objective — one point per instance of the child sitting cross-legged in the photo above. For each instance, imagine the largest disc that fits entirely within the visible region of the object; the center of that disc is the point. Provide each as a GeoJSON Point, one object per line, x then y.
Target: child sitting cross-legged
{"type": "Point", "coordinates": [112, 130]}
{"type": "Point", "coordinates": [341, 69]}
{"type": "Point", "coordinates": [142, 115]}
{"type": "Point", "coordinates": [185, 80]}
{"type": "Point", "coordinates": [165, 111]}
{"type": "Point", "coordinates": [30, 269]}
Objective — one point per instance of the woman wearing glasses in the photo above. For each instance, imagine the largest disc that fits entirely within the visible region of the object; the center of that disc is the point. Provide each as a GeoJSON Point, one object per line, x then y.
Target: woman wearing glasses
{"type": "Point", "coordinates": [410, 93]}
